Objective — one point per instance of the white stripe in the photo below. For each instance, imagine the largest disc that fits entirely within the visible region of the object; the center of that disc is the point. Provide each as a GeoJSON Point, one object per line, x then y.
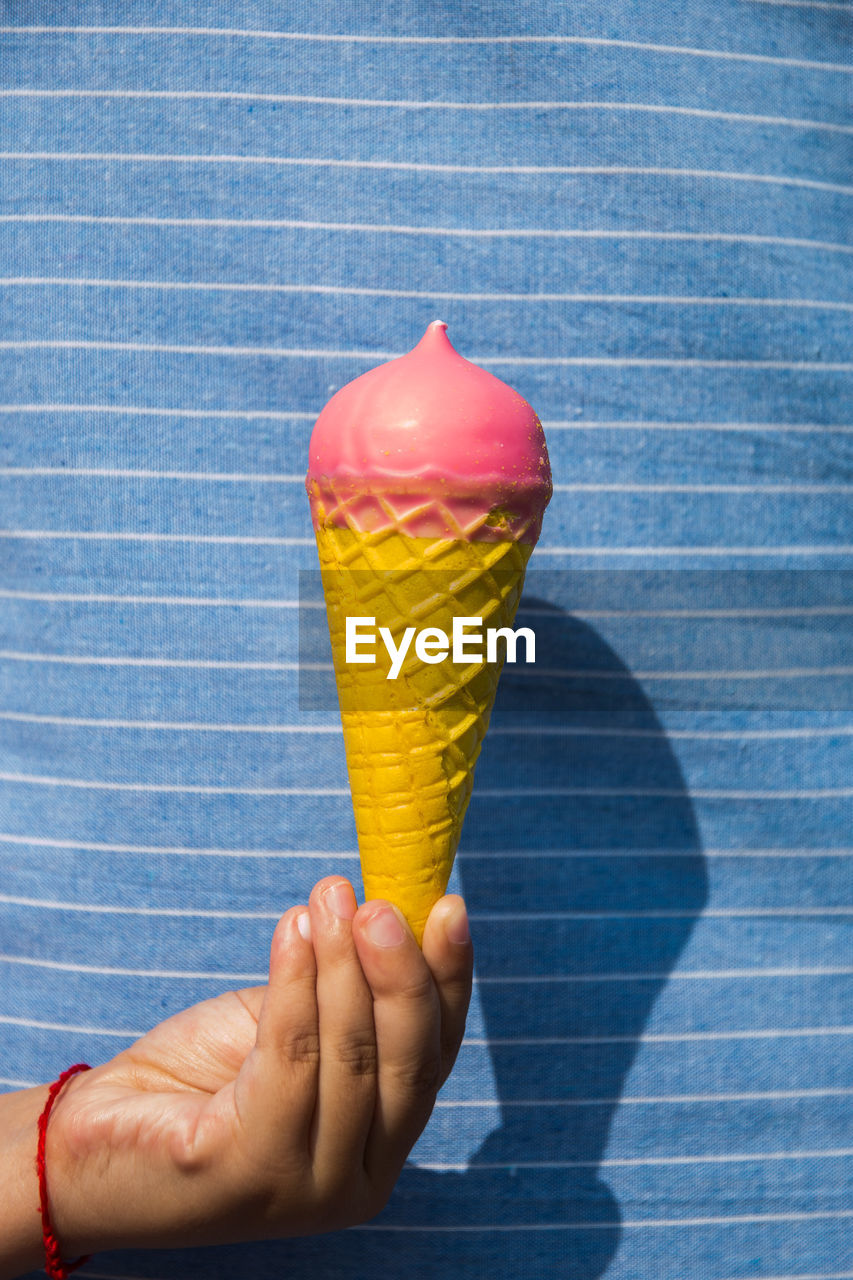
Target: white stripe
{"type": "Point", "coordinates": [142, 410]}
{"type": "Point", "coordinates": [730, 913]}
{"type": "Point", "coordinates": [673, 793]}
{"type": "Point", "coordinates": [352, 854]}
{"type": "Point", "coordinates": [473, 1042]}
{"type": "Point", "coordinates": [64, 1026]}
{"type": "Point", "coordinates": [689, 975]}
{"type": "Point", "coordinates": [701, 735]}
{"type": "Point", "coordinates": [193, 663]}
{"type": "Point", "coordinates": [19, 1084]}
{"type": "Point", "coordinates": [410, 166]}
{"type": "Point", "coordinates": [521, 855]}
{"type": "Point", "coordinates": [690, 735]}
{"type": "Point", "coordinates": [667, 1099]}
{"type": "Point", "coordinates": [578, 673]}
{"type": "Point", "coordinates": [260, 478]}
{"type": "Point", "coordinates": [261, 978]}
{"type": "Point", "coordinates": [323, 38]}
{"type": "Point", "coordinates": [201, 601]}
{"type": "Point", "coordinates": [172, 726]}
{"type": "Point", "coordinates": [698, 488]}
{"type": "Point", "coordinates": [70, 344]}
{"type": "Point", "coordinates": [844, 8]}
{"type": "Point", "coordinates": [627, 362]}
{"type": "Point", "coordinates": [631, 1162]}
{"type": "Point", "coordinates": [185, 974]}
{"type": "Point", "coordinates": [101, 909]}
{"type": "Point", "coordinates": [289, 224]}
{"type": "Point", "coordinates": [297, 604]}
{"type": "Point", "coordinates": [487, 1228]}
{"type": "Point", "coordinates": [694, 975]}
{"type": "Point", "coordinates": [127, 473]}
{"type": "Point", "coordinates": [664, 793]}
{"type": "Point", "coordinates": [779, 673]}
{"type": "Point", "coordinates": [227, 286]}
{"type": "Point", "coordinates": [792, 1033]}
{"type": "Point", "coordinates": [320, 353]}
{"type": "Point", "coordinates": [500, 1103]}
{"type": "Point", "coordinates": [100, 785]}
{"type": "Point", "coordinates": [707, 913]}
{"type": "Point", "coordinates": [222, 976]}
{"type": "Point", "coordinates": [250, 540]}
{"type": "Point", "coordinates": [812, 1275]}
{"type": "Point", "coordinates": [404, 104]}
{"type": "Point", "coordinates": [106, 846]}
{"type": "Point", "coordinates": [807, 428]}
{"type": "Point", "coordinates": [109, 535]}
{"type": "Point", "coordinates": [696, 551]}
{"type": "Point", "coordinates": [334, 291]}
{"type": "Point", "coordinates": [816, 611]}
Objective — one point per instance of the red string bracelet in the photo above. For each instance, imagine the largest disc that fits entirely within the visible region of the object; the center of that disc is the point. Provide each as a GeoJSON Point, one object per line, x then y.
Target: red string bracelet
{"type": "Point", "coordinates": [54, 1265]}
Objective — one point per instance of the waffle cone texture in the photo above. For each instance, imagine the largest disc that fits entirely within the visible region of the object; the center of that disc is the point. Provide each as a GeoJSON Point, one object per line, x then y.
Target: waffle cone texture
{"type": "Point", "coordinates": [412, 742]}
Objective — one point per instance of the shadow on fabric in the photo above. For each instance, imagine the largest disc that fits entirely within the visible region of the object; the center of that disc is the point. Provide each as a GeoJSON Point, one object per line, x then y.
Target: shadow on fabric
{"type": "Point", "coordinates": [599, 843]}
{"type": "Point", "coordinates": [608, 842]}
{"type": "Point", "coordinates": [557, 1045]}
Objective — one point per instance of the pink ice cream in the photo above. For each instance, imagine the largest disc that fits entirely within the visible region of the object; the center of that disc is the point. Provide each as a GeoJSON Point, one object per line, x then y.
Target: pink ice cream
{"type": "Point", "coordinates": [433, 441]}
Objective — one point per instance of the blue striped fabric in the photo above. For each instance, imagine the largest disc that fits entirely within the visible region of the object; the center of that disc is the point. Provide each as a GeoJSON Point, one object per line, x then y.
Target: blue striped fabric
{"type": "Point", "coordinates": [638, 214]}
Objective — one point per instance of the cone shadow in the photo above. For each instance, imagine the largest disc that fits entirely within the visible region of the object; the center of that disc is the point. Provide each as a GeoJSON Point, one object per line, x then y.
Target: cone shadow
{"type": "Point", "coordinates": [559, 885]}
{"type": "Point", "coordinates": [577, 847]}
{"type": "Point", "coordinates": [532, 868]}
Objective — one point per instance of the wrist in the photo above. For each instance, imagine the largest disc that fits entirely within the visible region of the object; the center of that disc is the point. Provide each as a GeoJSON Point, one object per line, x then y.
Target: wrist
{"type": "Point", "coordinates": [20, 1221]}
{"type": "Point", "coordinates": [67, 1183]}
{"type": "Point", "coordinates": [56, 1265]}
{"type": "Point", "coordinates": [21, 1229]}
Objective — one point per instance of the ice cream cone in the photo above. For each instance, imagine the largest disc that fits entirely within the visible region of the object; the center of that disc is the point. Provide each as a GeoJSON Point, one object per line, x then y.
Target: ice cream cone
{"type": "Point", "coordinates": [413, 542]}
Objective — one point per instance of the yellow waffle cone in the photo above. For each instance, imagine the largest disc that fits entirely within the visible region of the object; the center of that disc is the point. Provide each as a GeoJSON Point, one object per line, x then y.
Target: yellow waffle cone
{"type": "Point", "coordinates": [412, 742]}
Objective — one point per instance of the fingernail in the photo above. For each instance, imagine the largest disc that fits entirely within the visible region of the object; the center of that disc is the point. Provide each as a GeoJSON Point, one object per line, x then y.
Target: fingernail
{"type": "Point", "coordinates": [384, 928]}
{"type": "Point", "coordinates": [339, 899]}
{"type": "Point", "coordinates": [303, 924]}
{"type": "Point", "coordinates": [456, 924]}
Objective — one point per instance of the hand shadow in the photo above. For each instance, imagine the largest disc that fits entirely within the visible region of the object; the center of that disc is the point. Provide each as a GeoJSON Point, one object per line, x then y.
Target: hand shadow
{"type": "Point", "coordinates": [607, 851]}
{"type": "Point", "coordinates": [602, 852]}
{"type": "Point", "coordinates": [611, 832]}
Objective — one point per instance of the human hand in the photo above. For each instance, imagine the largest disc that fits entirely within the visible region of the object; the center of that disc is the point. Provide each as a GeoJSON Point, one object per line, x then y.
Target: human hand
{"type": "Point", "coordinates": [273, 1111]}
